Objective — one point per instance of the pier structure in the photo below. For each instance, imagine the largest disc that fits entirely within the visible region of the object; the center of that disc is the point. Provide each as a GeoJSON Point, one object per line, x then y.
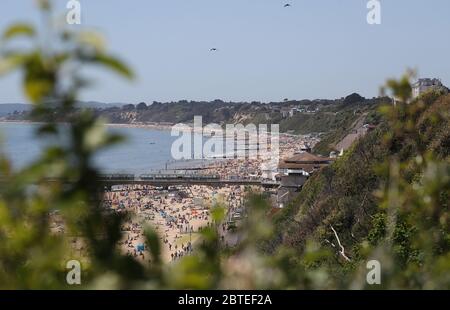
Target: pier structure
{"type": "Point", "coordinates": [165, 179]}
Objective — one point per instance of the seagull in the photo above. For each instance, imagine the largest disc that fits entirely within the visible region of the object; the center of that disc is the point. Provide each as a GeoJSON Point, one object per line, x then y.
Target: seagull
{"type": "Point", "coordinates": [213, 49]}
{"type": "Point", "coordinates": [287, 5]}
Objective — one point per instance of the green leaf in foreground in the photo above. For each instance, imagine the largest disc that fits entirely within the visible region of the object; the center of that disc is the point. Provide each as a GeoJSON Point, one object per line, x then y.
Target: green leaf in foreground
{"type": "Point", "coordinates": [111, 63]}
{"type": "Point", "coordinates": [19, 29]}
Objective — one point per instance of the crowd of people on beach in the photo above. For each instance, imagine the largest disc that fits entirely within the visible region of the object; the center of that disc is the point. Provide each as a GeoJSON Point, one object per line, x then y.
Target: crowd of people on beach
{"type": "Point", "coordinates": [253, 167]}
{"type": "Point", "coordinates": [177, 213]}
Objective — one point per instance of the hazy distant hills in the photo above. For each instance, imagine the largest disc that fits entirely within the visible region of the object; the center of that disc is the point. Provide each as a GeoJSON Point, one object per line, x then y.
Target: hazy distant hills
{"type": "Point", "coordinates": [332, 119]}
{"type": "Point", "coordinates": [10, 108]}
{"type": "Point", "coordinates": [99, 105]}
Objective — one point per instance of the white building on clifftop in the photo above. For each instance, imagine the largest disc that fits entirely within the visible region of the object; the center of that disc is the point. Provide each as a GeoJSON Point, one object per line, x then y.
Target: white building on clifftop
{"type": "Point", "coordinates": [422, 85]}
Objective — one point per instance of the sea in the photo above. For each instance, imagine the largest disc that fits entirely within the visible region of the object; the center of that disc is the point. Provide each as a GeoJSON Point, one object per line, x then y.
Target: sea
{"type": "Point", "coordinates": [145, 150]}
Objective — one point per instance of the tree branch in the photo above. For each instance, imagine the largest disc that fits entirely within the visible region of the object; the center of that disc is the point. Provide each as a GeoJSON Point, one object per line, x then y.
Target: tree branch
{"type": "Point", "coordinates": [342, 252]}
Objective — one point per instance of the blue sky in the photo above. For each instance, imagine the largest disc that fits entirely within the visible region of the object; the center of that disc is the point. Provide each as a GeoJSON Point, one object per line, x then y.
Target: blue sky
{"type": "Point", "coordinates": [313, 49]}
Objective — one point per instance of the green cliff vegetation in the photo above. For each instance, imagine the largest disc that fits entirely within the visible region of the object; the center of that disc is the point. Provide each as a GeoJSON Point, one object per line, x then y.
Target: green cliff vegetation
{"type": "Point", "coordinates": [390, 192]}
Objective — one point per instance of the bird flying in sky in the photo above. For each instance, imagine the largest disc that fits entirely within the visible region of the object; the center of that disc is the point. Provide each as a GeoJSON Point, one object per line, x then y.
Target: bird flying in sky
{"type": "Point", "coordinates": [213, 49]}
{"type": "Point", "coordinates": [287, 5]}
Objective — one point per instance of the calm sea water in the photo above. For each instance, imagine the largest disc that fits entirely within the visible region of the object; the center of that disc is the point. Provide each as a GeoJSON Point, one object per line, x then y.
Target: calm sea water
{"type": "Point", "coordinates": [144, 150]}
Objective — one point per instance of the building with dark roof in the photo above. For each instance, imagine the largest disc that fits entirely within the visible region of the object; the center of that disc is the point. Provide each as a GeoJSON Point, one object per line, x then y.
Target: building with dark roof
{"type": "Point", "coordinates": [303, 164]}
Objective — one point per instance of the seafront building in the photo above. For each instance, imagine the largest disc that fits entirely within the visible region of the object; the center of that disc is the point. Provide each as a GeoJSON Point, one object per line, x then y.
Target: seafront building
{"type": "Point", "coordinates": [293, 173]}
{"type": "Point", "coordinates": [302, 164]}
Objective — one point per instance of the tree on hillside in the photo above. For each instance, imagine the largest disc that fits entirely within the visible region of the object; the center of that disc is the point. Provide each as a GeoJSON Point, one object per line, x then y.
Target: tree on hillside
{"type": "Point", "coordinates": [141, 106]}
{"type": "Point", "coordinates": [353, 98]}
{"type": "Point", "coordinates": [128, 107]}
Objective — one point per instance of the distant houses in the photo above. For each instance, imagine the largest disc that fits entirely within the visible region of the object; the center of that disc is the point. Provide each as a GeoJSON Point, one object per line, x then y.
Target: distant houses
{"type": "Point", "coordinates": [288, 112]}
{"type": "Point", "coordinates": [285, 112]}
{"type": "Point", "coordinates": [292, 112]}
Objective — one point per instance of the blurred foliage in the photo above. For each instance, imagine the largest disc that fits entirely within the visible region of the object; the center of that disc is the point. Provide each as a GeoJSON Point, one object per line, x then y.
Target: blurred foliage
{"type": "Point", "coordinates": [405, 226]}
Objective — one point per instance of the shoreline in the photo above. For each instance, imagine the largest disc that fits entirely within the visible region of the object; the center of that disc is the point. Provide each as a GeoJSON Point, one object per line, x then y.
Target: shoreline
{"type": "Point", "coordinates": [154, 126]}
{"type": "Point", "coordinates": [184, 164]}
{"type": "Point", "coordinates": [123, 125]}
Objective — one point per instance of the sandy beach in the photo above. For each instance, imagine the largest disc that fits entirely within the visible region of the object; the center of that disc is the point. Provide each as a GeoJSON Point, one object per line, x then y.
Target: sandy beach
{"type": "Point", "coordinates": [177, 214]}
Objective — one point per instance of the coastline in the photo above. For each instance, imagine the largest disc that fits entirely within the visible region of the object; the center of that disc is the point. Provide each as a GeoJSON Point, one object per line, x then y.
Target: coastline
{"type": "Point", "coordinates": [161, 127]}
{"type": "Point", "coordinates": [123, 125]}
{"type": "Point", "coordinates": [189, 164]}
{"type": "Point", "coordinates": [153, 126]}
{"type": "Point", "coordinates": [5, 121]}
